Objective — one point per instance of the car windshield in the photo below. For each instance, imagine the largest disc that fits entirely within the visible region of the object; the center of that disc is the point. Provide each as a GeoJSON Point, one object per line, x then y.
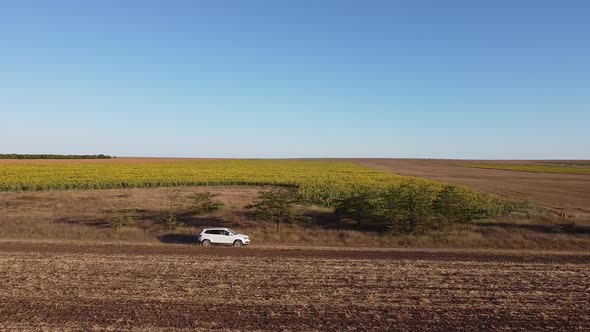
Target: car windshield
{"type": "Point", "coordinates": [231, 232]}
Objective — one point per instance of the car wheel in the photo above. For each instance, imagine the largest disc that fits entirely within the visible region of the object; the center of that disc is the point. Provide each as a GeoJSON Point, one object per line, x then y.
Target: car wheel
{"type": "Point", "coordinates": [237, 243]}
{"type": "Point", "coordinates": [206, 243]}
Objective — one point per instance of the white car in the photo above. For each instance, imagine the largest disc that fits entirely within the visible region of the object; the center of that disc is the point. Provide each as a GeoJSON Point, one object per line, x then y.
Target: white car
{"type": "Point", "coordinates": [222, 235]}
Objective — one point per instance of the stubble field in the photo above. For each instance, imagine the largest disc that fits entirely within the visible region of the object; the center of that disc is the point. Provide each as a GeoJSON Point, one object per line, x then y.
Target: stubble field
{"type": "Point", "coordinates": [50, 286]}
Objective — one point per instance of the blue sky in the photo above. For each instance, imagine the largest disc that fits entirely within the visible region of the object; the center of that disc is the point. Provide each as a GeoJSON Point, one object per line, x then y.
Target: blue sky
{"type": "Point", "coordinates": [247, 78]}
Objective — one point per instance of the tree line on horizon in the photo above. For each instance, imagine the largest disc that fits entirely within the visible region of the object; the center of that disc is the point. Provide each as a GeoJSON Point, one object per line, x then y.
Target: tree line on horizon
{"type": "Point", "coordinates": [54, 156]}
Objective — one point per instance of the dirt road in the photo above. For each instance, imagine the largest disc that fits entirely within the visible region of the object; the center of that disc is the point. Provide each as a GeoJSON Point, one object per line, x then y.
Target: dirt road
{"type": "Point", "coordinates": [569, 193]}
{"type": "Point", "coordinates": [51, 286]}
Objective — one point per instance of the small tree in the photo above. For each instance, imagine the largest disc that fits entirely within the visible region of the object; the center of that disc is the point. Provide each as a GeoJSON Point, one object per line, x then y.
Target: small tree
{"type": "Point", "coordinates": [391, 205]}
{"type": "Point", "coordinates": [203, 203]}
{"type": "Point", "coordinates": [169, 220]}
{"type": "Point", "coordinates": [277, 205]}
{"type": "Point", "coordinates": [361, 207]}
{"type": "Point", "coordinates": [123, 218]}
{"type": "Point", "coordinates": [415, 207]}
{"type": "Point", "coordinates": [456, 205]}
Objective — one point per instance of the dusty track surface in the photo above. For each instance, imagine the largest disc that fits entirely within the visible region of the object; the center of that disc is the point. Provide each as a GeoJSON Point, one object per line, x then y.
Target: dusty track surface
{"type": "Point", "coordinates": [81, 287]}
{"type": "Point", "coordinates": [560, 192]}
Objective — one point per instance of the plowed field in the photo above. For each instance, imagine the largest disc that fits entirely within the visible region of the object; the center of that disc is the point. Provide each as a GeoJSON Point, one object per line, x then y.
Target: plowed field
{"type": "Point", "coordinates": [565, 193]}
{"type": "Point", "coordinates": [63, 286]}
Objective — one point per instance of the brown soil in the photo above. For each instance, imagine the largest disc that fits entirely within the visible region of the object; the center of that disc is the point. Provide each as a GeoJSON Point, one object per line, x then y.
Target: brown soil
{"type": "Point", "coordinates": [85, 214]}
{"type": "Point", "coordinates": [568, 194]}
{"type": "Point", "coordinates": [162, 287]}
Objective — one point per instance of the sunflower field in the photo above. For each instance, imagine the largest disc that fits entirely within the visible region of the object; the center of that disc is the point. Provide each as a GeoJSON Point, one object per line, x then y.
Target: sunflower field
{"type": "Point", "coordinates": [317, 182]}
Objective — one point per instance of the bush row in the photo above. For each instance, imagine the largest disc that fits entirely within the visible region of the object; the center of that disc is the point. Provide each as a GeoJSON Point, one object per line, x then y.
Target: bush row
{"type": "Point", "coordinates": [415, 207]}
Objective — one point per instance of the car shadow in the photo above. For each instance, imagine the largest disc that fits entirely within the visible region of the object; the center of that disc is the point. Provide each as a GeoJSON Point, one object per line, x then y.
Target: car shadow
{"type": "Point", "coordinates": [174, 238]}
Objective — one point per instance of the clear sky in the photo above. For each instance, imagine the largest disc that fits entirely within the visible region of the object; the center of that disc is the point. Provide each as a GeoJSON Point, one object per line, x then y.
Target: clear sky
{"type": "Point", "coordinates": [256, 78]}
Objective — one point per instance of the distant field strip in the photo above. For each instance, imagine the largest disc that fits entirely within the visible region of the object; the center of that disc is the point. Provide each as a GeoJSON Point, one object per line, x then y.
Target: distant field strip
{"type": "Point", "coordinates": [534, 168]}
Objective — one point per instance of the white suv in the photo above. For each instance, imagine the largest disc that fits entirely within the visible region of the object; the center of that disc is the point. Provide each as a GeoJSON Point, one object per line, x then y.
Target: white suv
{"type": "Point", "coordinates": [222, 235]}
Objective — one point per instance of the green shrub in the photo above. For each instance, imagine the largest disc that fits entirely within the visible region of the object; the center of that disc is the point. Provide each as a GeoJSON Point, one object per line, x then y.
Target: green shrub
{"type": "Point", "coordinates": [408, 208]}
{"type": "Point", "coordinates": [201, 203]}
{"type": "Point", "coordinates": [361, 206]}
{"type": "Point", "coordinates": [278, 205]}
{"type": "Point", "coordinates": [123, 218]}
{"type": "Point", "coordinates": [169, 222]}
{"type": "Point", "coordinates": [454, 204]}
{"type": "Point", "coordinates": [421, 207]}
